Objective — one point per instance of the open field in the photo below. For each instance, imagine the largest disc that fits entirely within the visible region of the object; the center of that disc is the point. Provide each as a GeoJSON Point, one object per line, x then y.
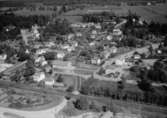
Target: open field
{"type": "Point", "coordinates": [49, 113]}
{"type": "Point", "coordinates": [156, 13]}
{"type": "Point", "coordinates": [9, 98]}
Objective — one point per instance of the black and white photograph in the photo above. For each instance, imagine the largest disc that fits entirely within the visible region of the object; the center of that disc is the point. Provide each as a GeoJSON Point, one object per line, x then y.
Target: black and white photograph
{"type": "Point", "coordinates": [83, 58]}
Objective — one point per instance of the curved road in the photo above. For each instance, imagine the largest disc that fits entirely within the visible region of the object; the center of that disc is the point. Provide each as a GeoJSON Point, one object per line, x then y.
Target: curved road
{"type": "Point", "coordinates": [49, 113]}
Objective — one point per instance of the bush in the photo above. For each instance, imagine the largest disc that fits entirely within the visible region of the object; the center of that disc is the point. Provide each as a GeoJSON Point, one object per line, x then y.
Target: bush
{"type": "Point", "coordinates": [81, 103]}
{"type": "Point", "coordinates": [49, 56]}
{"type": "Point", "coordinates": [70, 89]}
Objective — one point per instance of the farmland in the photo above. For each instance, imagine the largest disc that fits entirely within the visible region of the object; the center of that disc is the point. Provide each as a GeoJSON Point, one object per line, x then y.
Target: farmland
{"type": "Point", "coordinates": [156, 13]}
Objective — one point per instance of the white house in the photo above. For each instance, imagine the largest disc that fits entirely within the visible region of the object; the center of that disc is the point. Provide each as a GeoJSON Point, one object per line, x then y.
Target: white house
{"type": "Point", "coordinates": [60, 55]}
{"type": "Point", "coordinates": [98, 26]}
{"type": "Point", "coordinates": [39, 76]}
{"type": "Point", "coordinates": [117, 32]}
{"type": "Point", "coordinates": [35, 31]}
{"type": "Point", "coordinates": [96, 61]}
{"type": "Point", "coordinates": [113, 49]}
{"type": "Point", "coordinates": [49, 81]}
{"type": "Point", "coordinates": [109, 37]}
{"type": "Point", "coordinates": [3, 57]}
{"type": "Point", "coordinates": [41, 51]}
{"type": "Point", "coordinates": [70, 36]}
{"type": "Point", "coordinates": [78, 34]}
{"type": "Point", "coordinates": [120, 62]}
{"type": "Point", "coordinates": [41, 60]}
{"type": "Point", "coordinates": [137, 56]}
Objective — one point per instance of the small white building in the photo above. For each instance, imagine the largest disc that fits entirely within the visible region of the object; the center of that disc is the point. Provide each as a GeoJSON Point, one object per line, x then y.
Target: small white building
{"type": "Point", "coordinates": [79, 34]}
{"type": "Point", "coordinates": [49, 81]}
{"type": "Point", "coordinates": [117, 32]}
{"type": "Point", "coordinates": [114, 49]}
{"type": "Point", "coordinates": [60, 55]}
{"type": "Point", "coordinates": [120, 62]}
{"type": "Point", "coordinates": [3, 57]}
{"type": "Point", "coordinates": [98, 26]}
{"type": "Point", "coordinates": [39, 76]}
{"type": "Point", "coordinates": [96, 61]}
{"type": "Point", "coordinates": [70, 36]}
{"type": "Point", "coordinates": [109, 37]}
{"type": "Point", "coordinates": [94, 32]}
{"type": "Point", "coordinates": [35, 31]}
{"type": "Point", "coordinates": [41, 51]}
{"type": "Point", "coordinates": [137, 56]}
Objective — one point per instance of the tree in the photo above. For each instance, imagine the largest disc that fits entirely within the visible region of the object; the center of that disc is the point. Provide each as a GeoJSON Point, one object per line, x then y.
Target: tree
{"type": "Point", "coordinates": [150, 49]}
{"type": "Point", "coordinates": [70, 89]}
{"type": "Point", "coordinates": [165, 41]}
{"type": "Point", "coordinates": [16, 77]}
{"type": "Point", "coordinates": [49, 56]}
{"type": "Point", "coordinates": [82, 103]}
{"type": "Point", "coordinates": [59, 79]}
{"type": "Point", "coordinates": [121, 85]}
{"type": "Point", "coordinates": [30, 68]}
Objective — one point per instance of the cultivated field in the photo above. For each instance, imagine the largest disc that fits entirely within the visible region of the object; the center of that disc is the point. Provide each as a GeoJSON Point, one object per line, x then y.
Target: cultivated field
{"type": "Point", "coordinates": [156, 13]}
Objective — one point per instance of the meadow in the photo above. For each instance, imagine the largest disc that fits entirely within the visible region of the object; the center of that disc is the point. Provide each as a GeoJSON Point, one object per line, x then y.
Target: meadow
{"type": "Point", "coordinates": [157, 13]}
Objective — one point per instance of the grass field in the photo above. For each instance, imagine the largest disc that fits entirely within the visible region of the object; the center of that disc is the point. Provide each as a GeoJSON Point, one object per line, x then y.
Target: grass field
{"type": "Point", "coordinates": [156, 13]}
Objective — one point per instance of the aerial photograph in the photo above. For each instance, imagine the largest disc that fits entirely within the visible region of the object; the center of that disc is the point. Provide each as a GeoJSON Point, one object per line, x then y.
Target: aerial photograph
{"type": "Point", "coordinates": [83, 58]}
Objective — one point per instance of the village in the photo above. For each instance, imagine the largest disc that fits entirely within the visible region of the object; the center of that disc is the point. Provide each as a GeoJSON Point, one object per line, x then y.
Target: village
{"type": "Point", "coordinates": [77, 65]}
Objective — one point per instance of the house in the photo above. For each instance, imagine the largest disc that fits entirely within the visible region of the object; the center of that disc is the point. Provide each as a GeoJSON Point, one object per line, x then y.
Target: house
{"type": "Point", "coordinates": [41, 60]}
{"type": "Point", "coordinates": [35, 31]}
{"type": "Point", "coordinates": [159, 51]}
{"type": "Point", "coordinates": [120, 62]}
{"type": "Point", "coordinates": [58, 84]}
{"type": "Point", "coordinates": [94, 32]}
{"type": "Point", "coordinates": [109, 37]}
{"type": "Point", "coordinates": [41, 51]}
{"type": "Point", "coordinates": [39, 76]}
{"type": "Point", "coordinates": [71, 48]}
{"type": "Point", "coordinates": [62, 64]}
{"type": "Point", "coordinates": [117, 34]}
{"type": "Point", "coordinates": [136, 56]}
{"type": "Point", "coordinates": [98, 26]}
{"type": "Point", "coordinates": [26, 35]}
{"type": "Point", "coordinates": [79, 34]}
{"type": "Point", "coordinates": [49, 44]}
{"type": "Point", "coordinates": [49, 80]}
{"type": "Point", "coordinates": [61, 55]}
{"type": "Point", "coordinates": [96, 61]}
{"type": "Point", "coordinates": [65, 46]}
{"type": "Point", "coordinates": [93, 43]}
{"type": "Point", "coordinates": [92, 36]}
{"type": "Point", "coordinates": [113, 49]}
{"type": "Point", "coordinates": [3, 57]}
{"type": "Point", "coordinates": [47, 68]}
{"type": "Point", "coordinates": [70, 36]}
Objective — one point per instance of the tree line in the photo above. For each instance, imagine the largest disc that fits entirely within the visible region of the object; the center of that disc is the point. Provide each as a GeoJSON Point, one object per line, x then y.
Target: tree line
{"type": "Point", "coordinates": [119, 92]}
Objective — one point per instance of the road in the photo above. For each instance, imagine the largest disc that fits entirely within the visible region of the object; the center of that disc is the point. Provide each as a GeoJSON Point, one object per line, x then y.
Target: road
{"type": "Point", "coordinates": [49, 113]}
